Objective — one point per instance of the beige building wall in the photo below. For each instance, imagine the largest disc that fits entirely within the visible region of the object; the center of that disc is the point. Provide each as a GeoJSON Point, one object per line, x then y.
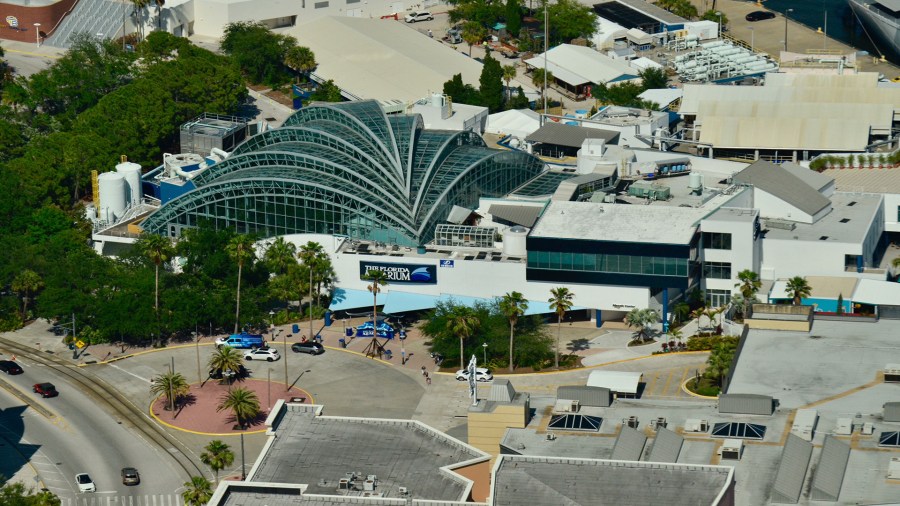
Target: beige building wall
{"type": "Point", "coordinates": [486, 429]}
{"type": "Point", "coordinates": [798, 326]}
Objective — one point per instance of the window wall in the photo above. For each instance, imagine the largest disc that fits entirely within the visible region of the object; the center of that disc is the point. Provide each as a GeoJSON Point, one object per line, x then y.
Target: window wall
{"type": "Point", "coordinates": [618, 264]}
{"type": "Point", "coordinates": [716, 240]}
{"type": "Point", "coordinates": [718, 298]}
{"type": "Point", "coordinates": [717, 270]}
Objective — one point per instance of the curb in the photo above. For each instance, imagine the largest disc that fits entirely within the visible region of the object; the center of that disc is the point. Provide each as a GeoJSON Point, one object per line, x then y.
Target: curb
{"type": "Point", "coordinates": [587, 368]}
{"type": "Point", "coordinates": [692, 394]}
{"type": "Point", "coordinates": [27, 400]}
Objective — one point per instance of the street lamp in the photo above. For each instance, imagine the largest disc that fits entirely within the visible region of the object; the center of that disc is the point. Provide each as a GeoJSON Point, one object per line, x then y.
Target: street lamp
{"type": "Point", "coordinates": [752, 33]}
{"type": "Point", "coordinates": [272, 319]}
{"type": "Point", "coordinates": [718, 13]}
{"type": "Point", "coordinates": [484, 347]}
{"type": "Point", "coordinates": [37, 33]}
{"type": "Point", "coordinates": [785, 28]}
{"type": "Point", "coordinates": [197, 346]}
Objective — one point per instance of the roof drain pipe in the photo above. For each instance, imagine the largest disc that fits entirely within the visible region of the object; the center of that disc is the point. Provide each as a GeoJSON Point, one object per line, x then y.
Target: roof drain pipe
{"type": "Point", "coordinates": [172, 169]}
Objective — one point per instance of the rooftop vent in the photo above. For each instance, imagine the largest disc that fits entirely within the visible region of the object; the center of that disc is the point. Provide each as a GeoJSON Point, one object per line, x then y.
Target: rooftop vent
{"type": "Point", "coordinates": [845, 220]}
{"type": "Point", "coordinates": [731, 449]}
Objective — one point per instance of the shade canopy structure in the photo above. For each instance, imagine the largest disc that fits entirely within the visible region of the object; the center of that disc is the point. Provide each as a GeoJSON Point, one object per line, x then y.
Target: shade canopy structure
{"type": "Point", "coordinates": [616, 381]}
{"type": "Point", "coordinates": [345, 298]}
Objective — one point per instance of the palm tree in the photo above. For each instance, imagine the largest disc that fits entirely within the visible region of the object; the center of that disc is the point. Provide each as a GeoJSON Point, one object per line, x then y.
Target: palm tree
{"type": "Point", "coordinates": [25, 284]}
{"type": "Point", "coordinates": [560, 301]}
{"type": "Point", "coordinates": [197, 492]}
{"type": "Point", "coordinates": [749, 285]}
{"type": "Point", "coordinates": [242, 402]}
{"type": "Point", "coordinates": [677, 334]}
{"type": "Point", "coordinates": [217, 456]}
{"type": "Point", "coordinates": [473, 33]}
{"type": "Point", "coordinates": [513, 306]}
{"type": "Point", "coordinates": [710, 313]}
{"type": "Point", "coordinates": [301, 59]}
{"type": "Point", "coordinates": [699, 313]}
{"type": "Point", "coordinates": [310, 253]}
{"type": "Point", "coordinates": [641, 319]}
{"type": "Point", "coordinates": [159, 6]}
{"type": "Point", "coordinates": [509, 73]}
{"type": "Point", "coordinates": [462, 322]}
{"type": "Point", "coordinates": [240, 250]}
{"type": "Point", "coordinates": [378, 278]}
{"type": "Point", "coordinates": [172, 385]}
{"type": "Point", "coordinates": [681, 311]}
{"type": "Point", "coordinates": [159, 250]}
{"type": "Point", "coordinates": [227, 360]}
{"type": "Point", "coordinates": [280, 255]}
{"type": "Point", "coordinates": [537, 79]}
{"type": "Point", "coordinates": [139, 6]}
{"type": "Point", "coordinates": [798, 289]}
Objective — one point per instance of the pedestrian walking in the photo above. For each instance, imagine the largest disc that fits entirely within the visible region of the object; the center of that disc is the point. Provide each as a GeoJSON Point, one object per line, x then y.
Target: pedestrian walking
{"type": "Point", "coordinates": [424, 372]}
{"type": "Point", "coordinates": [427, 380]}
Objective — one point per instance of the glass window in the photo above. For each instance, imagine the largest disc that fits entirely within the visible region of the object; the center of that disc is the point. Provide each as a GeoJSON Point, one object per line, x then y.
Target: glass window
{"type": "Point", "coordinates": [716, 240]}
{"type": "Point", "coordinates": [565, 261]}
{"type": "Point", "coordinates": [717, 270]}
{"type": "Point", "coordinates": [590, 262]}
{"type": "Point", "coordinates": [718, 298]}
{"type": "Point", "coordinates": [554, 260]}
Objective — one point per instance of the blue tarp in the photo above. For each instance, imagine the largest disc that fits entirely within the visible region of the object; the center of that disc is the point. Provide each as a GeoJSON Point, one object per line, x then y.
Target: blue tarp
{"type": "Point", "coordinates": [344, 299]}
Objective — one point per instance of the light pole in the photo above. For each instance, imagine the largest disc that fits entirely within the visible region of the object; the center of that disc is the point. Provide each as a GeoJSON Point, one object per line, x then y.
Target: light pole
{"type": "Point", "coordinates": [197, 346]}
{"type": "Point", "coordinates": [546, 48]}
{"type": "Point", "coordinates": [484, 347]}
{"type": "Point", "coordinates": [37, 33]}
{"type": "Point", "coordinates": [785, 28]}
{"type": "Point", "coordinates": [269, 385]}
{"type": "Point", "coordinates": [718, 13]}
{"type": "Point", "coordinates": [752, 33]}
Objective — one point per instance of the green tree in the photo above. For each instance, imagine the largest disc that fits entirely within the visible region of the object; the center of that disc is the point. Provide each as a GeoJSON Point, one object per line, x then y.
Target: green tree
{"type": "Point", "coordinates": [570, 19]}
{"type": "Point", "coordinates": [301, 59]}
{"type": "Point", "coordinates": [513, 16]}
{"type": "Point", "coordinates": [719, 361]}
{"type": "Point", "coordinates": [509, 73]}
{"type": "Point", "coordinates": [198, 491]}
{"type": "Point", "coordinates": [677, 334]}
{"type": "Point", "coordinates": [798, 288]}
{"type": "Point", "coordinates": [519, 100]}
{"type": "Point", "coordinates": [681, 311]}
{"type": "Point", "coordinates": [642, 319]}
{"type": "Point", "coordinates": [749, 284]}
{"type": "Point", "coordinates": [377, 279]}
{"type": "Point", "coordinates": [491, 84]}
{"type": "Point", "coordinates": [170, 384]}
{"type": "Point", "coordinates": [240, 250]}
{"type": "Point", "coordinates": [280, 255]}
{"type": "Point", "coordinates": [460, 92]}
{"type": "Point", "coordinates": [217, 455]}
{"type": "Point", "coordinates": [242, 402]}
{"type": "Point", "coordinates": [653, 78]}
{"type": "Point", "coordinates": [463, 323]}
{"type": "Point", "coordinates": [15, 494]}
{"type": "Point", "coordinates": [513, 306]}
{"type": "Point", "coordinates": [560, 302]}
{"type": "Point", "coordinates": [226, 359]}
{"type": "Point", "coordinates": [25, 284]}
{"type": "Point", "coordinates": [473, 33]}
{"type": "Point", "coordinates": [258, 51]}
{"type": "Point", "coordinates": [713, 15]}
{"type": "Point", "coordinates": [327, 92]}
{"type": "Point", "coordinates": [158, 250]}
{"type": "Point", "coordinates": [685, 9]}
{"type": "Point", "coordinates": [538, 80]}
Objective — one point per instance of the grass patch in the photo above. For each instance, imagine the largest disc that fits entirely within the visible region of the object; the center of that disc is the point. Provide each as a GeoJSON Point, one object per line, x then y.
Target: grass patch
{"type": "Point", "coordinates": [706, 387]}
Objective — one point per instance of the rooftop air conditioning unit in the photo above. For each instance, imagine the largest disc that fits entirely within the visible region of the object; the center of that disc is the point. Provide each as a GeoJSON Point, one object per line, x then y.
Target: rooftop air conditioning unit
{"type": "Point", "coordinates": [551, 436]}
{"type": "Point", "coordinates": [632, 421]}
{"type": "Point", "coordinates": [696, 425]}
{"type": "Point", "coordinates": [844, 427]}
{"type": "Point", "coordinates": [892, 373]}
{"type": "Point", "coordinates": [369, 485]}
{"type": "Point", "coordinates": [659, 422]}
{"type": "Point", "coordinates": [574, 407]}
{"type": "Point", "coordinates": [868, 429]}
{"type": "Point", "coordinates": [344, 484]}
{"type": "Point", "coordinates": [404, 491]}
{"type": "Point", "coordinates": [731, 449]}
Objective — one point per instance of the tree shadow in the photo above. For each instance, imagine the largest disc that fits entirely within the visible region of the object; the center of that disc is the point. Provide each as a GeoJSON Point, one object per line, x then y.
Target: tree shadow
{"type": "Point", "coordinates": [579, 345]}
{"type": "Point", "coordinates": [185, 401]}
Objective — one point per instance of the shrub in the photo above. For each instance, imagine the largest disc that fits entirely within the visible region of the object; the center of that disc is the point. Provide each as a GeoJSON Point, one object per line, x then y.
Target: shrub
{"type": "Point", "coordinates": [707, 343]}
{"type": "Point", "coordinates": [819, 163]}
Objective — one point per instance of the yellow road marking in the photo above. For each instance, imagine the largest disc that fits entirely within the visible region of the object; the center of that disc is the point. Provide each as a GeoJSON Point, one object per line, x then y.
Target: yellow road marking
{"type": "Point", "coordinates": [52, 57]}
{"type": "Point", "coordinates": [652, 385]}
{"type": "Point", "coordinates": [668, 382]}
{"type": "Point", "coordinates": [683, 377]}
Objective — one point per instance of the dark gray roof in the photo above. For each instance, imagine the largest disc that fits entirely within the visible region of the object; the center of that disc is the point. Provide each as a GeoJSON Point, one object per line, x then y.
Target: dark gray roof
{"type": "Point", "coordinates": [746, 404]}
{"type": "Point", "coordinates": [587, 396]}
{"type": "Point", "coordinates": [629, 444]}
{"type": "Point", "coordinates": [829, 477]}
{"type": "Point", "coordinates": [570, 135]}
{"type": "Point", "coordinates": [458, 215]}
{"type": "Point", "coordinates": [816, 180]}
{"type": "Point", "coordinates": [792, 470]}
{"type": "Point", "coordinates": [277, 497]}
{"type": "Point", "coordinates": [654, 11]}
{"type": "Point", "coordinates": [520, 215]}
{"type": "Point", "coordinates": [666, 446]}
{"type": "Point", "coordinates": [891, 411]}
{"type": "Point", "coordinates": [319, 451]}
{"type": "Point", "coordinates": [521, 480]}
{"type": "Point", "coordinates": [771, 178]}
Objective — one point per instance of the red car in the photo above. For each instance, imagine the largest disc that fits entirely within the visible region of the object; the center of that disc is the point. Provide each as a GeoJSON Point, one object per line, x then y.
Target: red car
{"type": "Point", "coordinates": [45, 390]}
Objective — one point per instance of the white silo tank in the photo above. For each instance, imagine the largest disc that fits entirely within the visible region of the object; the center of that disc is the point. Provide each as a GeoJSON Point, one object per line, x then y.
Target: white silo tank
{"type": "Point", "coordinates": [514, 241]}
{"type": "Point", "coordinates": [113, 190]}
{"type": "Point", "coordinates": [695, 182]}
{"type": "Point", "coordinates": [132, 173]}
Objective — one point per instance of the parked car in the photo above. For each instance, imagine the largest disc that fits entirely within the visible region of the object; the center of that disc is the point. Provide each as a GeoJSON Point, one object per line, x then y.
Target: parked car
{"type": "Point", "coordinates": [218, 374]}
{"type": "Point", "coordinates": [45, 390]}
{"type": "Point", "coordinates": [130, 476]}
{"type": "Point", "coordinates": [759, 16]}
{"type": "Point", "coordinates": [267, 354]}
{"type": "Point", "coordinates": [84, 482]}
{"type": "Point", "coordinates": [415, 17]}
{"type": "Point", "coordinates": [241, 341]}
{"type": "Point", "coordinates": [481, 374]}
{"type": "Point", "coordinates": [10, 367]}
{"type": "Point", "coordinates": [310, 347]}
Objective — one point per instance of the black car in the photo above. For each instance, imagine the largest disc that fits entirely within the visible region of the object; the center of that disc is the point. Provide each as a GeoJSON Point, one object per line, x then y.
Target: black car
{"type": "Point", "coordinates": [310, 347]}
{"type": "Point", "coordinates": [760, 15]}
{"type": "Point", "coordinates": [218, 374]}
{"type": "Point", "coordinates": [10, 367]}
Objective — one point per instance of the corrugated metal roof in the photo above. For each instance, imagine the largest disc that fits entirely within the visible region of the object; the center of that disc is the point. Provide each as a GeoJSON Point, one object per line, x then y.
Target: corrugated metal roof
{"type": "Point", "coordinates": [891, 411]}
{"type": "Point", "coordinates": [520, 215]}
{"type": "Point", "coordinates": [570, 135]}
{"type": "Point", "coordinates": [746, 404]}
{"type": "Point", "coordinates": [823, 287]}
{"type": "Point", "coordinates": [876, 115]}
{"type": "Point", "coordinates": [579, 65]}
{"type": "Point", "coordinates": [792, 470]}
{"type": "Point", "coordinates": [502, 391]}
{"type": "Point", "coordinates": [654, 11]}
{"type": "Point", "coordinates": [865, 180]}
{"type": "Point", "coordinates": [458, 214]}
{"type": "Point", "coordinates": [796, 133]}
{"type": "Point", "coordinates": [814, 179]}
{"type": "Point", "coordinates": [893, 5]}
{"type": "Point", "coordinates": [629, 445]}
{"type": "Point", "coordinates": [616, 381]}
{"type": "Point", "coordinates": [873, 291]}
{"type": "Point", "coordinates": [666, 446]}
{"type": "Point", "coordinates": [586, 396]}
{"type": "Point", "coordinates": [770, 178]}
{"type": "Point", "coordinates": [826, 484]}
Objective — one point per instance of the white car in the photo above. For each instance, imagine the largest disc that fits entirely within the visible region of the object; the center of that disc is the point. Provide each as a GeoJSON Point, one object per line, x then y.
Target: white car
{"type": "Point", "coordinates": [267, 354]}
{"type": "Point", "coordinates": [414, 17]}
{"type": "Point", "coordinates": [481, 374]}
{"type": "Point", "coordinates": [84, 482]}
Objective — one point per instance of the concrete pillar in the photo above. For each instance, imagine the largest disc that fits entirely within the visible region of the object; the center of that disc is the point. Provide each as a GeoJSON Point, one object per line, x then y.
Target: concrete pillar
{"type": "Point", "coordinates": [665, 310]}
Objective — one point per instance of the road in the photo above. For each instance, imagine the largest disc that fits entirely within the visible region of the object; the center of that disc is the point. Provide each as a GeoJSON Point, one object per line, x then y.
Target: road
{"type": "Point", "coordinates": [75, 440]}
{"type": "Point", "coordinates": [27, 59]}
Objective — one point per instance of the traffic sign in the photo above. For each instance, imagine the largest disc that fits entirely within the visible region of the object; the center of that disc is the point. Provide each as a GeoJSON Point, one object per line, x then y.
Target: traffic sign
{"type": "Point", "coordinates": [80, 343]}
{"type": "Point", "coordinates": [12, 21]}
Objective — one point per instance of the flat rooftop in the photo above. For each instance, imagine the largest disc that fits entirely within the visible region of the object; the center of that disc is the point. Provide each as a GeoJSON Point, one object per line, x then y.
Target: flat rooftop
{"type": "Point", "coordinates": [849, 221]}
{"type": "Point", "coordinates": [865, 180]}
{"type": "Point", "coordinates": [734, 215]}
{"type": "Point", "coordinates": [319, 451]}
{"type": "Point", "coordinates": [619, 222]}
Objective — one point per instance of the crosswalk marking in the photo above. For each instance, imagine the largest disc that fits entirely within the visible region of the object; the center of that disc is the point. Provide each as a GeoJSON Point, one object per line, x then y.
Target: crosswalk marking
{"type": "Point", "coordinates": [140, 500]}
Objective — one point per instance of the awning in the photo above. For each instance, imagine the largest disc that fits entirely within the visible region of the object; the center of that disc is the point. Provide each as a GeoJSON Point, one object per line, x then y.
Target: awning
{"type": "Point", "coordinates": [615, 381]}
{"type": "Point", "coordinates": [542, 307]}
{"type": "Point", "coordinates": [520, 215]}
{"type": "Point", "coordinates": [344, 299]}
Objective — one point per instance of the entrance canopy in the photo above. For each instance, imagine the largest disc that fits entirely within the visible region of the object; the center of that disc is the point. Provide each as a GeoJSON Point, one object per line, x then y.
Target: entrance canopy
{"type": "Point", "coordinates": [616, 381]}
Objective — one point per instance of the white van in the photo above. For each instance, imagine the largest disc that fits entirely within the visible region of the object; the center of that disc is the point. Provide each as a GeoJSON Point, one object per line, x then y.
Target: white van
{"type": "Point", "coordinates": [414, 17]}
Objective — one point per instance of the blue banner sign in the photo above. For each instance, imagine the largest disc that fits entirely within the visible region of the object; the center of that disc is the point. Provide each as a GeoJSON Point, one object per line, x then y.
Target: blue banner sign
{"type": "Point", "coordinates": [401, 273]}
{"type": "Point", "coordinates": [447, 263]}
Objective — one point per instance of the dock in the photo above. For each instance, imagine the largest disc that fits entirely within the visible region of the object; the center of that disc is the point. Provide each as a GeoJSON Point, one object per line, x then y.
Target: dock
{"type": "Point", "coordinates": [768, 36]}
